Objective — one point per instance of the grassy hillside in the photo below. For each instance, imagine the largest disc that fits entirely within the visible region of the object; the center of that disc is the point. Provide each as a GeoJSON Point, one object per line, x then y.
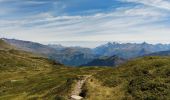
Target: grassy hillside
{"type": "Point", "coordinates": [145, 78]}
{"type": "Point", "coordinates": [25, 76]}
{"type": "Point", "coordinates": [4, 45]}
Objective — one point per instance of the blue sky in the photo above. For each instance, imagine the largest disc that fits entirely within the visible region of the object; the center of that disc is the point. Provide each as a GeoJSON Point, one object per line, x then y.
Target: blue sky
{"type": "Point", "coordinates": [86, 20]}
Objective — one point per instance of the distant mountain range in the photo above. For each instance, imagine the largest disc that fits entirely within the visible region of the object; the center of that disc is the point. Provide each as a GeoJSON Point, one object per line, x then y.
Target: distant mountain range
{"type": "Point", "coordinates": [77, 56]}
{"type": "Point", "coordinates": [129, 50]}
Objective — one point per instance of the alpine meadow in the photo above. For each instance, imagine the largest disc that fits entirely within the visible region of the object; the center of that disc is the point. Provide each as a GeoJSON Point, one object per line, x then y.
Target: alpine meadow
{"type": "Point", "coordinates": [84, 50]}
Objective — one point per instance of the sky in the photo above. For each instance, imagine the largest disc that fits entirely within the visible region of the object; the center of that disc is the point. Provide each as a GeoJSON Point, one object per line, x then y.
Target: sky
{"type": "Point", "coordinates": [86, 20]}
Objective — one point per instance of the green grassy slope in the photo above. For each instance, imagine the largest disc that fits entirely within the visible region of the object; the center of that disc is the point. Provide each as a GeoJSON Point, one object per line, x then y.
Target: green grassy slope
{"type": "Point", "coordinates": [145, 78]}
{"type": "Point", "coordinates": [25, 76]}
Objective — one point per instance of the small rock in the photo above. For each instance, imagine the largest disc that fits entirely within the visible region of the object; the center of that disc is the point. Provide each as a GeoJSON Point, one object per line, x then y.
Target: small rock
{"type": "Point", "coordinates": [75, 97]}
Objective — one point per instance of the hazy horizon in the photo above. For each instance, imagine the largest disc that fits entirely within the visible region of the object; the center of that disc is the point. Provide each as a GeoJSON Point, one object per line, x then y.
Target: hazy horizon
{"type": "Point", "coordinates": [93, 44]}
{"type": "Point", "coordinates": [87, 44]}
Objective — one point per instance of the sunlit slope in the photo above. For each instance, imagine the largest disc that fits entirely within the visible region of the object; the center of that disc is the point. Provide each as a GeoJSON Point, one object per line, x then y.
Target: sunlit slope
{"type": "Point", "coordinates": [145, 78]}
{"type": "Point", "coordinates": [25, 76]}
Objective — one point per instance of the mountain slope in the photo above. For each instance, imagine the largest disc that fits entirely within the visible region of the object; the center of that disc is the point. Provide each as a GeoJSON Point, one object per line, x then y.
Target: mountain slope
{"type": "Point", "coordinates": [4, 45]}
{"type": "Point", "coordinates": [106, 61]}
{"type": "Point", "coordinates": [72, 56]}
{"type": "Point", "coordinates": [145, 78]}
{"type": "Point", "coordinates": [23, 74]}
{"type": "Point", "coordinates": [31, 46]}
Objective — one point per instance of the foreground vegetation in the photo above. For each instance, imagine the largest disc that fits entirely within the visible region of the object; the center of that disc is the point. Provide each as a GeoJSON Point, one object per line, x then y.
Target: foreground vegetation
{"type": "Point", "coordinates": [24, 76]}
{"type": "Point", "coordinates": [145, 78]}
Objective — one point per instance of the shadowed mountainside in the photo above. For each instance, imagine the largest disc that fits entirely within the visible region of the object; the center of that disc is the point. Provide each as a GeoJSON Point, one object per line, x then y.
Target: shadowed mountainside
{"type": "Point", "coordinates": [162, 53]}
{"type": "Point", "coordinates": [106, 61]}
{"type": "Point", "coordinates": [74, 56]}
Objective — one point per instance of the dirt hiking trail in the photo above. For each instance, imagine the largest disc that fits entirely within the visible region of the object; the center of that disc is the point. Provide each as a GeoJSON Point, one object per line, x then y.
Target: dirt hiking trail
{"type": "Point", "coordinates": [75, 95]}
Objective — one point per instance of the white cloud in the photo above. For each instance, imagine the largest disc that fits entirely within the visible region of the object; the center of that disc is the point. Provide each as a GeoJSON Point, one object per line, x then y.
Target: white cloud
{"type": "Point", "coordinates": [163, 4]}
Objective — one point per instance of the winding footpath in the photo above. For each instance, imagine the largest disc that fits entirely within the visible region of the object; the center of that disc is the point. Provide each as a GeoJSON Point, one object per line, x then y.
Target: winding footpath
{"type": "Point", "coordinates": [75, 95]}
